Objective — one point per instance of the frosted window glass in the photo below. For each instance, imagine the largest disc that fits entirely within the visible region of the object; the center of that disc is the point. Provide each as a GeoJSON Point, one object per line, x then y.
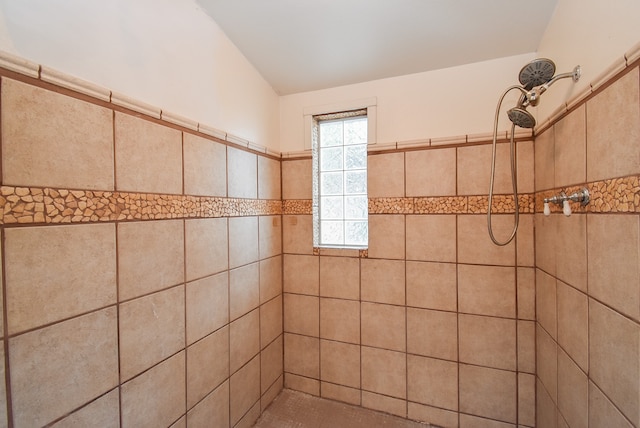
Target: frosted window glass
{"type": "Point", "coordinates": [356, 233]}
{"type": "Point", "coordinates": [332, 232]}
{"type": "Point", "coordinates": [331, 134]}
{"type": "Point", "coordinates": [331, 183]}
{"type": "Point", "coordinates": [355, 157]}
{"type": "Point", "coordinates": [355, 131]}
{"type": "Point", "coordinates": [356, 182]}
{"type": "Point", "coordinates": [356, 207]}
{"type": "Point", "coordinates": [331, 159]}
{"type": "Point", "coordinates": [331, 207]}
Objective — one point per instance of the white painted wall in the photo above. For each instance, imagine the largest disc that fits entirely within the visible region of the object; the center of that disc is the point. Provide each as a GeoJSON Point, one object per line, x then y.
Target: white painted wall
{"type": "Point", "coordinates": [591, 33]}
{"type": "Point", "coordinates": [442, 103]}
{"type": "Point", "coordinates": [167, 53]}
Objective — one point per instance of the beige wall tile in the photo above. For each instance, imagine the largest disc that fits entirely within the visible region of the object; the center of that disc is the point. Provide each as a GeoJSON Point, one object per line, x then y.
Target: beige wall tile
{"type": "Point", "coordinates": [302, 384]}
{"type": "Point", "coordinates": [487, 341]}
{"type": "Point", "coordinates": [271, 360]}
{"type": "Point", "coordinates": [297, 234]}
{"type": "Point", "coordinates": [77, 356]}
{"type": "Point", "coordinates": [207, 365]}
{"type": "Point", "coordinates": [488, 392]}
{"type": "Point", "coordinates": [271, 322]}
{"type": "Point", "coordinates": [432, 285]}
{"type": "Point", "coordinates": [244, 390]}
{"type": "Point", "coordinates": [302, 357]}
{"type": "Point", "coordinates": [526, 278]}
{"type": "Point", "coordinates": [205, 166]}
{"type": "Point", "coordinates": [385, 175]}
{"type": "Point", "coordinates": [301, 274]}
{"type": "Point", "coordinates": [206, 247]}
{"type": "Point", "coordinates": [340, 320]}
{"type": "Point", "coordinates": [431, 172]}
{"type": "Point", "coordinates": [242, 174]}
{"type": "Point", "coordinates": [546, 306]}
{"type": "Point", "coordinates": [431, 238]}
{"type": "Point", "coordinates": [243, 241]}
{"type": "Point", "coordinates": [382, 281]}
{"type": "Point", "coordinates": [340, 277]}
{"type": "Point", "coordinates": [526, 399]}
{"type": "Point", "coordinates": [386, 236]}
{"type": "Point", "coordinates": [570, 152]}
{"type": "Point", "coordinates": [382, 403]}
{"type": "Point", "coordinates": [527, 346]}
{"type": "Point", "coordinates": [571, 251]}
{"type": "Point", "coordinates": [340, 393]}
{"type": "Point", "coordinates": [468, 421]}
{"type": "Point", "coordinates": [383, 326]}
{"type": "Point", "coordinates": [545, 163]}
{"type": "Point", "coordinates": [103, 412]}
{"type": "Point", "coordinates": [47, 270]}
{"type": "Point", "coordinates": [249, 418]}
{"type": "Point", "coordinates": [301, 314]}
{"type": "Point", "coordinates": [213, 410]}
{"type": "Point", "coordinates": [432, 333]}
{"type": "Point", "coordinates": [613, 130]}
{"type": "Point", "coordinates": [602, 412]}
{"type": "Point", "coordinates": [546, 410]}
{"type": "Point", "coordinates": [148, 156]}
{"type": "Point", "coordinates": [207, 305]}
{"type": "Point", "coordinates": [433, 415]}
{"type": "Point", "coordinates": [613, 260]}
{"type": "Point", "coordinates": [614, 358]}
{"type": "Point", "coordinates": [244, 339]}
{"type": "Point", "coordinates": [547, 362]}
{"type": "Point", "coordinates": [151, 329]}
{"type": "Point", "coordinates": [44, 132]}
{"type": "Point", "coordinates": [487, 290]}
{"type": "Point", "coordinates": [525, 239]}
{"type": "Point", "coordinates": [474, 170]}
{"type": "Point", "coordinates": [525, 175]}
{"type": "Point", "coordinates": [274, 390]}
{"type": "Point", "coordinates": [475, 245]}
{"type": "Point", "coordinates": [573, 324]}
{"type": "Point", "coordinates": [157, 397]}
{"type": "Point", "coordinates": [270, 236]}
{"type": "Point", "coordinates": [433, 382]}
{"type": "Point", "coordinates": [244, 290]}
{"type": "Point", "coordinates": [296, 179]}
{"type": "Point", "coordinates": [270, 278]}
{"type": "Point", "coordinates": [573, 392]}
{"type": "Point", "coordinates": [340, 363]}
{"type": "Point", "coordinates": [546, 236]}
{"type": "Point", "coordinates": [268, 178]}
{"type": "Point", "coordinates": [150, 256]}
{"type": "Point", "coordinates": [384, 372]}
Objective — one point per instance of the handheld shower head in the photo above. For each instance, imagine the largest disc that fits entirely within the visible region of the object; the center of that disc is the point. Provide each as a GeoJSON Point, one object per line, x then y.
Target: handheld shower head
{"type": "Point", "coordinates": [521, 117]}
{"type": "Point", "coordinates": [536, 73]}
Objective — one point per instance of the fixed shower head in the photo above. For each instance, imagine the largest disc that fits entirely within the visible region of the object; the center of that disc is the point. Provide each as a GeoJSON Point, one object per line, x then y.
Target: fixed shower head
{"type": "Point", "coordinates": [521, 117]}
{"type": "Point", "coordinates": [537, 72]}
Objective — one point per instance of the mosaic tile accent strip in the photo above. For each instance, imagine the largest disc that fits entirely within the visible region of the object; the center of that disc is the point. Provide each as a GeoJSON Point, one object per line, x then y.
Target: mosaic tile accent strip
{"type": "Point", "coordinates": [616, 195]}
{"type": "Point", "coordinates": [28, 205]}
{"type": "Point", "coordinates": [297, 206]}
{"type": "Point", "coordinates": [391, 205]}
{"type": "Point", "coordinates": [441, 205]}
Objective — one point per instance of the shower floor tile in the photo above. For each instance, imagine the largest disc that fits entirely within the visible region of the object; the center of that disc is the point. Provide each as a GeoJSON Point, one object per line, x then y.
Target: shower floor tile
{"type": "Point", "coordinates": [295, 409]}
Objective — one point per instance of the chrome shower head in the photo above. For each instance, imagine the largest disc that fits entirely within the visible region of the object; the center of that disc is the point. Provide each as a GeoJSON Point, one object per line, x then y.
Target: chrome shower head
{"type": "Point", "coordinates": [537, 72]}
{"type": "Point", "coordinates": [521, 117]}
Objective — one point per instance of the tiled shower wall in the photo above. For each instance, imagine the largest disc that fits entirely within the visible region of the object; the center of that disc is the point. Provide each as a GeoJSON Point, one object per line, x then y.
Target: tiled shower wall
{"type": "Point", "coordinates": [142, 268]}
{"type": "Point", "coordinates": [436, 324]}
{"type": "Point", "coordinates": [588, 265]}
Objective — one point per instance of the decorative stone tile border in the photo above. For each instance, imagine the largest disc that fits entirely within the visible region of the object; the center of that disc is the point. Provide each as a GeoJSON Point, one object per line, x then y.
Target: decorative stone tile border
{"type": "Point", "coordinates": [33, 205]}
{"type": "Point", "coordinates": [616, 195]}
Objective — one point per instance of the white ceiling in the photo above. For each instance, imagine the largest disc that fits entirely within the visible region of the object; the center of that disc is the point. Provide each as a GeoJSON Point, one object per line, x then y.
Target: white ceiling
{"type": "Point", "coordinates": [303, 45]}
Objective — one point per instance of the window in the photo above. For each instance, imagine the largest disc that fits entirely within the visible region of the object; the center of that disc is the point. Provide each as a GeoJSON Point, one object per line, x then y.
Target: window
{"type": "Point", "coordinates": [340, 204]}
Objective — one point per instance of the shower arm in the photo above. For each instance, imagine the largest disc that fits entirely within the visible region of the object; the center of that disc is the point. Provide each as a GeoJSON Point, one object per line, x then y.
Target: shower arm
{"type": "Point", "coordinates": [533, 96]}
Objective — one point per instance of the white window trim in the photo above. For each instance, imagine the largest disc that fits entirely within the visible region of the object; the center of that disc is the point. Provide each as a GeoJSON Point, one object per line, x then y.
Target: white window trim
{"type": "Point", "coordinates": [370, 104]}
